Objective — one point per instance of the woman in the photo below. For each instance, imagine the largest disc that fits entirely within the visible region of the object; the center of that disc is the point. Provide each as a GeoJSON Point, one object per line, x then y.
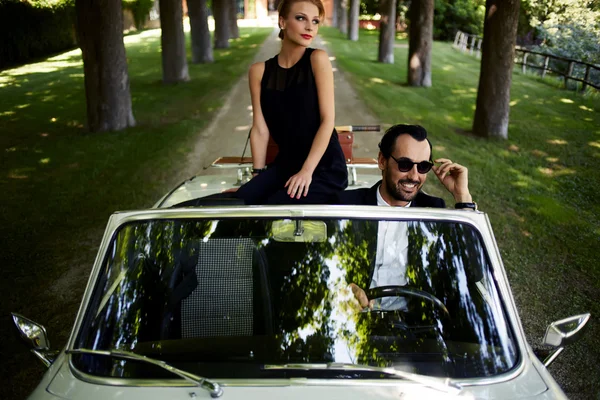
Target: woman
{"type": "Point", "coordinates": [292, 101]}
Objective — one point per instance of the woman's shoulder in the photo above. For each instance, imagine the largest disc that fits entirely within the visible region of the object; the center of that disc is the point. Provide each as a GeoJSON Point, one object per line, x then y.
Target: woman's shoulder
{"type": "Point", "coordinates": [319, 61]}
{"type": "Point", "coordinates": [256, 70]}
{"type": "Point", "coordinates": [319, 56]}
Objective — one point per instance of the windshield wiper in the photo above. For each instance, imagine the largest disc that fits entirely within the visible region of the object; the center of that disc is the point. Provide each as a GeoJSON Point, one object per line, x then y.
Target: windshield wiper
{"type": "Point", "coordinates": [443, 385]}
{"type": "Point", "coordinates": [213, 387]}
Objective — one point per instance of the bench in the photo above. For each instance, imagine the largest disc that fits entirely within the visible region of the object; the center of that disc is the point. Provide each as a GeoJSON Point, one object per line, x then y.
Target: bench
{"type": "Point", "coordinates": [345, 136]}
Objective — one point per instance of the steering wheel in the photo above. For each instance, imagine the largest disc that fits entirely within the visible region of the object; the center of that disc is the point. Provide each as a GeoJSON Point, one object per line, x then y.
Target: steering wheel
{"type": "Point", "coordinates": [388, 291]}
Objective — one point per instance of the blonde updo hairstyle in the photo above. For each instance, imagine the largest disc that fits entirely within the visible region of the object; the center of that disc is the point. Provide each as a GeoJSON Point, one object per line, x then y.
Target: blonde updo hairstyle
{"type": "Point", "coordinates": [286, 5]}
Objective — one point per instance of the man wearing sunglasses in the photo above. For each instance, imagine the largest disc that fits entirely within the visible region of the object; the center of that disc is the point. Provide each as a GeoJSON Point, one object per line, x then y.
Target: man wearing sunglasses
{"type": "Point", "coordinates": [405, 159]}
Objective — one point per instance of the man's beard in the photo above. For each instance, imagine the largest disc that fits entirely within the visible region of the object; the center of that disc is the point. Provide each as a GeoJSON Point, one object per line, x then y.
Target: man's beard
{"type": "Point", "coordinates": [396, 191]}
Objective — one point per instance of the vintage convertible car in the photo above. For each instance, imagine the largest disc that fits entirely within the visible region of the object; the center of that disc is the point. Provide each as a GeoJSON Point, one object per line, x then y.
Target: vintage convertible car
{"type": "Point", "coordinates": [196, 299]}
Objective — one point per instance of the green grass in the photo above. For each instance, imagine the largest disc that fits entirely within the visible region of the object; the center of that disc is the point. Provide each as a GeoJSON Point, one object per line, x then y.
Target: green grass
{"type": "Point", "coordinates": [60, 183]}
{"type": "Point", "coordinates": [539, 187]}
{"type": "Point", "coordinates": [46, 149]}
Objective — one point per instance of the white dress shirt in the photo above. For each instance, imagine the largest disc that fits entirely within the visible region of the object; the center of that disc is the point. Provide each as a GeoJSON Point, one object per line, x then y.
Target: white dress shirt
{"type": "Point", "coordinates": [391, 258]}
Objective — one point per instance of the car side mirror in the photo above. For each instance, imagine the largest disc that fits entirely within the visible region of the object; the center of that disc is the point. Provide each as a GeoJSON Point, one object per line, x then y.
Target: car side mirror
{"type": "Point", "coordinates": [563, 332]}
{"type": "Point", "coordinates": [35, 335]}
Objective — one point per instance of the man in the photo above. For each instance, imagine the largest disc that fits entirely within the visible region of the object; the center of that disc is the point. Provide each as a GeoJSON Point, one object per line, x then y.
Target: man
{"type": "Point", "coordinates": [405, 158]}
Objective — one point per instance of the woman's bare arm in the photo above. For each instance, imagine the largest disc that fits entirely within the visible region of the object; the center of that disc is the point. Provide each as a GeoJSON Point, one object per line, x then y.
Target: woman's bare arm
{"type": "Point", "coordinates": [324, 79]}
{"type": "Point", "coordinates": [298, 184]}
{"type": "Point", "coordinates": [259, 133]}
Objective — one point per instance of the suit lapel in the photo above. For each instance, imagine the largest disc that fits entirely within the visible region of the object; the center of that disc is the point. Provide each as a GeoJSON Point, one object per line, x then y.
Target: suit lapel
{"type": "Point", "coordinates": [371, 198]}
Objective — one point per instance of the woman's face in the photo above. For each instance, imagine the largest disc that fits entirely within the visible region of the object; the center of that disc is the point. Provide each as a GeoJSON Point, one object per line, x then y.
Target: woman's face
{"type": "Point", "coordinates": [301, 24]}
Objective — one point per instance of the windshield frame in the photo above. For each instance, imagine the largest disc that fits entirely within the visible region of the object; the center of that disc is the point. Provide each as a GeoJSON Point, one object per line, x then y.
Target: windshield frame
{"type": "Point", "coordinates": [476, 219]}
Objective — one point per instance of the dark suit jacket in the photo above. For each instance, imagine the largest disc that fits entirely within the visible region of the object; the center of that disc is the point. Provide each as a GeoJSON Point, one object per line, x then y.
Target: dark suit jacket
{"type": "Point", "coordinates": [368, 197]}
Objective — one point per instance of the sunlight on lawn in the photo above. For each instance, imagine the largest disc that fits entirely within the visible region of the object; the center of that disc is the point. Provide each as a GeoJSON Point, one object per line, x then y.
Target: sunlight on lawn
{"type": "Point", "coordinates": [142, 36]}
{"type": "Point", "coordinates": [68, 59]}
{"type": "Point", "coordinates": [557, 142]}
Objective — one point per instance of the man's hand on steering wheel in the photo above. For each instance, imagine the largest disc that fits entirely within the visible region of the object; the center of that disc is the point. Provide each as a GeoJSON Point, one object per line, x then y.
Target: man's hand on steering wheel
{"type": "Point", "coordinates": [387, 291]}
{"type": "Point", "coordinates": [361, 297]}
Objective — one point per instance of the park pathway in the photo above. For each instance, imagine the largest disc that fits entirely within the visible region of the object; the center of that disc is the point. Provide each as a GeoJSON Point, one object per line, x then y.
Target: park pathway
{"type": "Point", "coordinates": [226, 135]}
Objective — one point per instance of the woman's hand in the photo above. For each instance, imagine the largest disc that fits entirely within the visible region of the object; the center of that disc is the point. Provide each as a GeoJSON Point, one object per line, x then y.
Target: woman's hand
{"type": "Point", "coordinates": [298, 184]}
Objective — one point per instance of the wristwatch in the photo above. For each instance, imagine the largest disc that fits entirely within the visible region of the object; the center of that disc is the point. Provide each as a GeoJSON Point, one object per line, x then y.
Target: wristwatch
{"type": "Point", "coordinates": [470, 206]}
{"type": "Point", "coordinates": [258, 170]}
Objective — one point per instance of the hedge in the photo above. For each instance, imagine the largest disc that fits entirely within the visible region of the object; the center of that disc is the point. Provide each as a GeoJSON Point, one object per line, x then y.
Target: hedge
{"type": "Point", "coordinates": [35, 29]}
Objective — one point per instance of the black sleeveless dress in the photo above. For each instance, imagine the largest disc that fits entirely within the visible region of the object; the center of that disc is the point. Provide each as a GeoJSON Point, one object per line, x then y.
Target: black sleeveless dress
{"type": "Point", "coordinates": [290, 106]}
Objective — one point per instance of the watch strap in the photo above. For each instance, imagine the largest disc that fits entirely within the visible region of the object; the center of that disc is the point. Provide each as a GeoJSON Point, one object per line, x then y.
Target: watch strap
{"type": "Point", "coordinates": [471, 206]}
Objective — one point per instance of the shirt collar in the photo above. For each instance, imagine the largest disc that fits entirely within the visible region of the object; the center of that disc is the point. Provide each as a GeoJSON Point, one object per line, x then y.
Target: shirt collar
{"type": "Point", "coordinates": [382, 202]}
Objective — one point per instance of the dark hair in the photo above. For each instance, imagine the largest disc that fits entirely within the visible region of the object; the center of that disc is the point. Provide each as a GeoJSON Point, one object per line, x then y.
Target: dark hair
{"type": "Point", "coordinates": [388, 141]}
{"type": "Point", "coordinates": [285, 5]}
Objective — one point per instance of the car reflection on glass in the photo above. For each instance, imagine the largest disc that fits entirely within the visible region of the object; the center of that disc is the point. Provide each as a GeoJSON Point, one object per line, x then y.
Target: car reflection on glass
{"type": "Point", "coordinates": [255, 301]}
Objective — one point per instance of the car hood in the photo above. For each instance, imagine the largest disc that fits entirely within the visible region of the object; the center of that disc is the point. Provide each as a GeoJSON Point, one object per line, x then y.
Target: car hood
{"type": "Point", "coordinates": [527, 384]}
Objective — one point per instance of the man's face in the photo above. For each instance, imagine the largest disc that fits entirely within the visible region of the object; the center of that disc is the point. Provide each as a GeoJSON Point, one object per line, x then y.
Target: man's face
{"type": "Point", "coordinates": [402, 187]}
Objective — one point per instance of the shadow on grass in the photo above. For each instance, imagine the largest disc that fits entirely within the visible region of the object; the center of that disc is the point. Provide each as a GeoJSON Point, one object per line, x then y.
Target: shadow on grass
{"type": "Point", "coordinates": [539, 187]}
{"type": "Point", "coordinates": [60, 183]}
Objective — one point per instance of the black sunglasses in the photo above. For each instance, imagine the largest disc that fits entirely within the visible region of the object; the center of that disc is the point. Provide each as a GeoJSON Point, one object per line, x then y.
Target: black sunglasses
{"type": "Point", "coordinates": [406, 164]}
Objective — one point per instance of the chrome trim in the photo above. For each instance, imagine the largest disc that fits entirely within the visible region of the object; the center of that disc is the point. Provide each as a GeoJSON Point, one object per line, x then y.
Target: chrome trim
{"type": "Point", "coordinates": [553, 356]}
{"type": "Point", "coordinates": [173, 191]}
{"type": "Point", "coordinates": [47, 356]}
{"type": "Point", "coordinates": [556, 337]}
{"type": "Point", "coordinates": [446, 385]}
{"type": "Point", "coordinates": [212, 387]}
{"type": "Point", "coordinates": [478, 219]}
{"type": "Point", "coordinates": [284, 382]}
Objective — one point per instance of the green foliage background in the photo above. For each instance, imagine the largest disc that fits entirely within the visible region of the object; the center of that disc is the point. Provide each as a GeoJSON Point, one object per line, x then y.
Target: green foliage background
{"type": "Point", "coordinates": [35, 28]}
{"type": "Point", "coordinates": [139, 9]}
{"type": "Point", "coordinates": [453, 15]}
{"type": "Point", "coordinates": [32, 29]}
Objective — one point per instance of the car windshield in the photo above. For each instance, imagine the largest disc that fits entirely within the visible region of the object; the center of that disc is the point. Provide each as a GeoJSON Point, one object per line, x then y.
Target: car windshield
{"type": "Point", "coordinates": [244, 298]}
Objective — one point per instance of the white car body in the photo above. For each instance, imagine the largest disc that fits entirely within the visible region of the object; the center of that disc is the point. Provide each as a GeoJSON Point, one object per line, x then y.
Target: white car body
{"type": "Point", "coordinates": [527, 379]}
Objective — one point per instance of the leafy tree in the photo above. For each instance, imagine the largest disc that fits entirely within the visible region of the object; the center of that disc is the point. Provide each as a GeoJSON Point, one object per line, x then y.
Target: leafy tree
{"type": "Point", "coordinates": [568, 28]}
{"type": "Point", "coordinates": [334, 13]}
{"type": "Point", "coordinates": [172, 40]}
{"type": "Point", "coordinates": [140, 10]}
{"type": "Point", "coordinates": [100, 34]}
{"type": "Point", "coordinates": [343, 16]}
{"type": "Point", "coordinates": [493, 94]}
{"type": "Point", "coordinates": [234, 31]}
{"type": "Point", "coordinates": [221, 14]}
{"type": "Point", "coordinates": [420, 43]}
{"type": "Point", "coordinates": [571, 41]}
{"type": "Point", "coordinates": [454, 15]}
{"type": "Point", "coordinates": [387, 32]}
{"type": "Point", "coordinates": [201, 50]}
{"type": "Point", "coordinates": [353, 12]}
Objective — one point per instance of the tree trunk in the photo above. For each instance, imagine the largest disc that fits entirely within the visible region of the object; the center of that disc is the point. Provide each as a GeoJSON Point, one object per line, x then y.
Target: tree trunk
{"type": "Point", "coordinates": [172, 41]}
{"type": "Point", "coordinates": [334, 13]}
{"type": "Point", "coordinates": [353, 13]}
{"type": "Point", "coordinates": [387, 32]}
{"type": "Point", "coordinates": [221, 14]}
{"type": "Point", "coordinates": [234, 31]}
{"type": "Point", "coordinates": [343, 17]}
{"type": "Point", "coordinates": [100, 35]}
{"type": "Point", "coordinates": [493, 95]}
{"type": "Point", "coordinates": [420, 42]}
{"type": "Point", "coordinates": [201, 49]}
